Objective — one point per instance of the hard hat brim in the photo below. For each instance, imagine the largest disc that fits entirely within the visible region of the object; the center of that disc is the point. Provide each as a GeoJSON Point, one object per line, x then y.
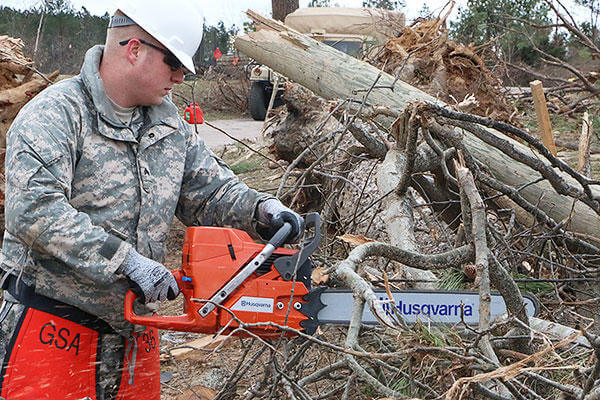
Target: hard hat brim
{"type": "Point", "coordinates": [186, 60]}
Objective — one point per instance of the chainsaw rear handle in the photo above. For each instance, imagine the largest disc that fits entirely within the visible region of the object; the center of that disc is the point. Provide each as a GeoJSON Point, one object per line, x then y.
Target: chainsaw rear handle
{"type": "Point", "coordinates": [183, 322]}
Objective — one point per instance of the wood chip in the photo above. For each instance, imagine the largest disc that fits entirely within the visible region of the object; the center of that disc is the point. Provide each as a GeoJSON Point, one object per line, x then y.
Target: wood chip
{"type": "Point", "coordinates": [318, 276]}
{"type": "Point", "coordinates": [355, 240]}
{"type": "Point", "coordinates": [205, 342]}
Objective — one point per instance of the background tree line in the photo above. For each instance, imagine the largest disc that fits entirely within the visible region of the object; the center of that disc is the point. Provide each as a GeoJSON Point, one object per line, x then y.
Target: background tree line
{"type": "Point", "coordinates": [510, 29]}
{"type": "Point", "coordinates": [65, 34]}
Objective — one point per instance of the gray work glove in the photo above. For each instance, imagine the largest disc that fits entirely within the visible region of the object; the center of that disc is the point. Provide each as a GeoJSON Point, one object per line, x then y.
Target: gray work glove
{"type": "Point", "coordinates": [149, 280]}
{"type": "Point", "coordinates": [272, 215]}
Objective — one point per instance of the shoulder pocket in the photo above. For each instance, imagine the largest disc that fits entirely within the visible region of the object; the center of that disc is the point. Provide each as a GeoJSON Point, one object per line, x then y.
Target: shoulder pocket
{"type": "Point", "coordinates": [40, 160]}
{"type": "Point", "coordinates": [48, 151]}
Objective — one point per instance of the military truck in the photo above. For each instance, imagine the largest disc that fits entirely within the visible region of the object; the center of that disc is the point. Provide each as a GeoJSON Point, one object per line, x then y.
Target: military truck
{"type": "Point", "coordinates": [351, 30]}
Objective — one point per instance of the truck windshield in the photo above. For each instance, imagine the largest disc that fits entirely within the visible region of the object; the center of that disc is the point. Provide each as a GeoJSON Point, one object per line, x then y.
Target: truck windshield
{"type": "Point", "coordinates": [352, 48]}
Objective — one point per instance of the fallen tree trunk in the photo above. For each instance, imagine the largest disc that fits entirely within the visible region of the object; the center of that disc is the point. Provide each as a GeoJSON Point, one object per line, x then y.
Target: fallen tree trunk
{"type": "Point", "coordinates": [335, 75]}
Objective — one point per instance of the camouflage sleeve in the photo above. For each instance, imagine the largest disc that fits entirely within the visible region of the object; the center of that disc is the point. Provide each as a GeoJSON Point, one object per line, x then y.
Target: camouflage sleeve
{"type": "Point", "coordinates": [40, 160]}
{"type": "Point", "coordinates": [211, 194]}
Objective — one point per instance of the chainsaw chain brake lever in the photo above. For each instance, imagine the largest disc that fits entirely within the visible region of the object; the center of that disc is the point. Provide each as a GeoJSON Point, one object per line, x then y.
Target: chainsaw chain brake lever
{"type": "Point", "coordinates": [288, 265]}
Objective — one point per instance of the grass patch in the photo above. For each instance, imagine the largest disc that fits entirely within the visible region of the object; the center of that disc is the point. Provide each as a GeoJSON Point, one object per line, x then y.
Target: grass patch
{"type": "Point", "coordinates": [533, 287]}
{"type": "Point", "coordinates": [452, 279]}
{"type": "Point", "coordinates": [246, 166]}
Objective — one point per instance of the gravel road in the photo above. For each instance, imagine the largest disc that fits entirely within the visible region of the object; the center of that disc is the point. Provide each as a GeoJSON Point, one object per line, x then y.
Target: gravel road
{"type": "Point", "coordinates": [238, 128]}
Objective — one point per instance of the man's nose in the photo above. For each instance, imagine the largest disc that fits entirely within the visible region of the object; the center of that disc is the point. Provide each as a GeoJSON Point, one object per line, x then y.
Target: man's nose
{"type": "Point", "coordinates": [177, 76]}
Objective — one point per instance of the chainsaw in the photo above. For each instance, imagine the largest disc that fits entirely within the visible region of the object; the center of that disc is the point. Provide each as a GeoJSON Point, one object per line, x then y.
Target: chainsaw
{"type": "Point", "coordinates": [228, 280]}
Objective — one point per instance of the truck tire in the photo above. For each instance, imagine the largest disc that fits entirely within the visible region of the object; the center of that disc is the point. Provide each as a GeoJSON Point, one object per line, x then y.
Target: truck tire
{"type": "Point", "coordinates": [258, 101]}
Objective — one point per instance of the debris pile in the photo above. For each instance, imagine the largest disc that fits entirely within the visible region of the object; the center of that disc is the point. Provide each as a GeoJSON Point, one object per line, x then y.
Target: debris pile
{"type": "Point", "coordinates": [423, 56]}
{"type": "Point", "coordinates": [19, 83]}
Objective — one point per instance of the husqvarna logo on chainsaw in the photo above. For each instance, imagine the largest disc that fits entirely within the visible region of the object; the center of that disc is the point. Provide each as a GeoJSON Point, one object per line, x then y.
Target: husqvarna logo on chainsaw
{"type": "Point", "coordinates": [254, 304]}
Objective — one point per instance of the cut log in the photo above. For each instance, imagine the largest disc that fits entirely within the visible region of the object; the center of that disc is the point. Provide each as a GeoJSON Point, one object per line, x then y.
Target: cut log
{"type": "Point", "coordinates": [399, 215]}
{"type": "Point", "coordinates": [334, 75]}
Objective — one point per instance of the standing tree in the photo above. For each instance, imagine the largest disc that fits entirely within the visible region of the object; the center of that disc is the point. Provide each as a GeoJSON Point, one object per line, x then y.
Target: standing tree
{"type": "Point", "coordinates": [281, 8]}
{"type": "Point", "coordinates": [510, 24]}
{"type": "Point", "coordinates": [214, 37]}
{"type": "Point", "coordinates": [590, 27]}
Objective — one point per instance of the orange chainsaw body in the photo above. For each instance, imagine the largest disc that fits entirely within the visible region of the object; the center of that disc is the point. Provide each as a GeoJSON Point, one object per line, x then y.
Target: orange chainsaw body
{"type": "Point", "coordinates": [211, 258]}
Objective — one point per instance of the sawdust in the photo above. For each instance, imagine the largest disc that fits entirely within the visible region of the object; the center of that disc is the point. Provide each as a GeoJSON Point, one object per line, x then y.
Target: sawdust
{"type": "Point", "coordinates": [424, 56]}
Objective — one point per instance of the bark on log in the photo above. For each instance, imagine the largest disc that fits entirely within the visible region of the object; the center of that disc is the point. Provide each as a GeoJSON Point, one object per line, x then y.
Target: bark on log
{"type": "Point", "coordinates": [399, 215]}
{"type": "Point", "coordinates": [335, 75]}
{"type": "Point", "coordinates": [14, 98]}
{"type": "Point", "coordinates": [281, 8]}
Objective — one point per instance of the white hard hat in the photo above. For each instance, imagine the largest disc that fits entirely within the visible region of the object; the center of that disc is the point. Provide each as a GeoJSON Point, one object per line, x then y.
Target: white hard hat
{"type": "Point", "coordinates": [176, 24]}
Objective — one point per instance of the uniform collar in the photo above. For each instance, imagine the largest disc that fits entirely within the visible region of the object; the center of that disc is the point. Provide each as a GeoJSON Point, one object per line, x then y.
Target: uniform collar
{"type": "Point", "coordinates": [163, 114]}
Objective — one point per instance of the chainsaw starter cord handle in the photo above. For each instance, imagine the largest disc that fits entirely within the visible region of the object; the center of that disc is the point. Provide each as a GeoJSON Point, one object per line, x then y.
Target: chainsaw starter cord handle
{"type": "Point", "coordinates": [281, 235]}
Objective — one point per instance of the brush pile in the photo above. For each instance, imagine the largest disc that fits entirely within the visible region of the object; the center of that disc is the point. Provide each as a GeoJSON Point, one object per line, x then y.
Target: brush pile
{"type": "Point", "coordinates": [423, 56]}
{"type": "Point", "coordinates": [19, 81]}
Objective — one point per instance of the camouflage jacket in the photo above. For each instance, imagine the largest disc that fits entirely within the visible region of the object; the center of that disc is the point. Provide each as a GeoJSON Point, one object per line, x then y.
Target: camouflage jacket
{"type": "Point", "coordinates": [81, 190]}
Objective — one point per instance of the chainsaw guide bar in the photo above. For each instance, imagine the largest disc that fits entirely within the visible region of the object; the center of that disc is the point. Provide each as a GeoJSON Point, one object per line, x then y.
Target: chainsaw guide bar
{"type": "Point", "coordinates": [412, 306]}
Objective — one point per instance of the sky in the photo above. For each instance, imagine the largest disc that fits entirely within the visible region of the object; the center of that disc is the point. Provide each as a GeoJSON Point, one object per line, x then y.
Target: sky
{"type": "Point", "coordinates": [229, 11]}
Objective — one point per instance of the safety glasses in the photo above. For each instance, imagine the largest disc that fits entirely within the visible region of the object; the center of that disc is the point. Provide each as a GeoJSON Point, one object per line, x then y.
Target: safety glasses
{"type": "Point", "coordinates": [169, 58]}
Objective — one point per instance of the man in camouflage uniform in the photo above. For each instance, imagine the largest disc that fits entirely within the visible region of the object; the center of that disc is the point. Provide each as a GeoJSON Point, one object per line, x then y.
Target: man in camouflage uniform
{"type": "Point", "coordinates": [97, 166]}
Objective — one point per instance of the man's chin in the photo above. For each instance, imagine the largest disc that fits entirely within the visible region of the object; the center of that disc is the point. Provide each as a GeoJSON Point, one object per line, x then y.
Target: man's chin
{"type": "Point", "coordinates": [153, 102]}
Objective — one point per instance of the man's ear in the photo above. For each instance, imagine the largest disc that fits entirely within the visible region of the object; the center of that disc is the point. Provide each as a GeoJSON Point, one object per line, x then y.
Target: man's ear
{"type": "Point", "coordinates": [133, 48]}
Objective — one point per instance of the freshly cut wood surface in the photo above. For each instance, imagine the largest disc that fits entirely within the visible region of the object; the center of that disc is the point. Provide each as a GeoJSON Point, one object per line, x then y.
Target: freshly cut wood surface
{"type": "Point", "coordinates": [205, 342]}
{"type": "Point", "coordinates": [541, 111]}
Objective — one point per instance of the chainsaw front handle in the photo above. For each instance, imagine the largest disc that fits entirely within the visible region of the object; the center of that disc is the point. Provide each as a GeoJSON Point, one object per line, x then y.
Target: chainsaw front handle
{"type": "Point", "coordinates": [281, 235]}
